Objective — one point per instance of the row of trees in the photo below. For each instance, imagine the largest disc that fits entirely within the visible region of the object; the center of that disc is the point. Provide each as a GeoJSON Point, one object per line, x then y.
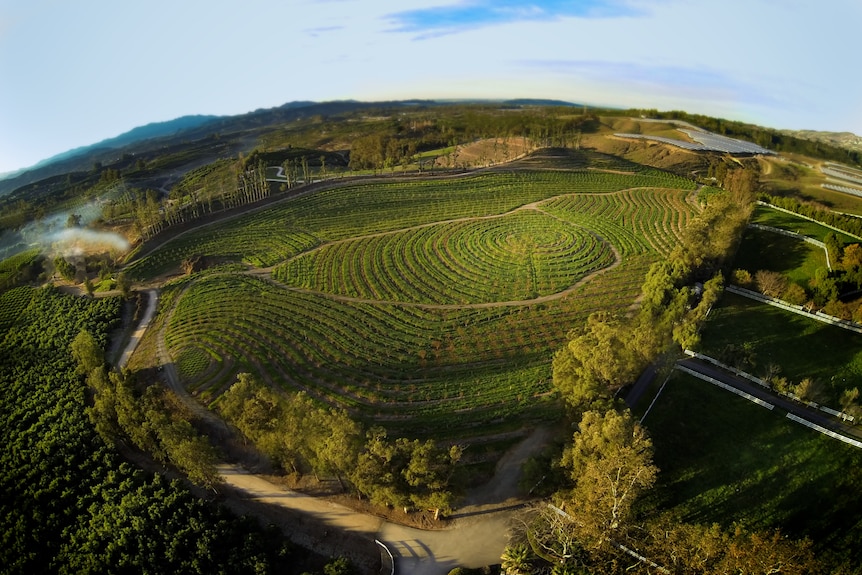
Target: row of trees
{"type": "Point", "coordinates": [816, 212]}
{"type": "Point", "coordinates": [609, 351]}
{"type": "Point", "coordinates": [153, 421]}
{"type": "Point", "coordinates": [301, 437]}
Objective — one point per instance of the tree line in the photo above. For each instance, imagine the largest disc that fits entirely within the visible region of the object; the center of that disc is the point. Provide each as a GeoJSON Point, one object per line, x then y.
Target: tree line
{"type": "Point", "coordinates": [847, 223]}
{"type": "Point", "coordinates": [300, 437]}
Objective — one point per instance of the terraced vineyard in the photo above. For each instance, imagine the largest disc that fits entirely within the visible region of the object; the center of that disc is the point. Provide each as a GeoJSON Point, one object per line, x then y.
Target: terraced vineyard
{"type": "Point", "coordinates": [431, 307]}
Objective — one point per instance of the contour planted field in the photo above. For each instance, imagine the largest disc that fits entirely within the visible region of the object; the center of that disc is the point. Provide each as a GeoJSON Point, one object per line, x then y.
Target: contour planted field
{"type": "Point", "coordinates": [431, 307]}
{"type": "Point", "coordinates": [430, 372]}
{"type": "Point", "coordinates": [266, 238]}
{"type": "Point", "coordinates": [519, 256]}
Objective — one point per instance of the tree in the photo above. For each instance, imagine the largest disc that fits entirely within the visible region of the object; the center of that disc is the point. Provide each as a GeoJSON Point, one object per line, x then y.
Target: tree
{"type": "Point", "coordinates": [742, 278]}
{"type": "Point", "coordinates": [66, 270]}
{"type": "Point", "coordinates": [849, 401]}
{"type": "Point", "coordinates": [851, 260]}
{"type": "Point", "coordinates": [685, 548]}
{"type": "Point", "coordinates": [808, 390]}
{"type": "Point", "coordinates": [834, 248]}
{"type": "Point", "coordinates": [427, 474]}
{"type": "Point", "coordinates": [596, 362]}
{"type": "Point", "coordinates": [770, 283]}
{"type": "Point", "coordinates": [824, 286]}
{"type": "Point", "coordinates": [610, 462]}
{"type": "Point", "coordinates": [341, 443]}
{"type": "Point", "coordinates": [124, 284]}
{"type": "Point", "coordinates": [794, 294]}
{"type": "Point", "coordinates": [339, 566]}
{"type": "Point", "coordinates": [767, 554]}
{"type": "Point", "coordinates": [686, 330]}
{"type": "Point", "coordinates": [376, 474]}
{"type": "Point", "coordinates": [103, 412]}
{"type": "Point", "coordinates": [516, 560]}
{"type": "Point", "coordinates": [553, 536]}
{"type": "Point", "coordinates": [86, 352]}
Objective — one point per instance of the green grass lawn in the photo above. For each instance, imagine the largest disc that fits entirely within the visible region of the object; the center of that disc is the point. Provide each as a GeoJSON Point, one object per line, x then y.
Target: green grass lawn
{"type": "Point", "coordinates": [724, 459]}
{"type": "Point", "coordinates": [792, 223]}
{"type": "Point", "coordinates": [803, 347]}
{"type": "Point", "coordinates": [795, 258]}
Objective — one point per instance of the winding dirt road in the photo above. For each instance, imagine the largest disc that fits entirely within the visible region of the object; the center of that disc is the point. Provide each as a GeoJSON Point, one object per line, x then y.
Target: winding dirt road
{"type": "Point", "coordinates": [476, 535]}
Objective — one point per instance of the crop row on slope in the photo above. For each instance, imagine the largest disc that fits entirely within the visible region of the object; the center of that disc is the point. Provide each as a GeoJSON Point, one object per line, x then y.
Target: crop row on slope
{"type": "Point", "coordinates": [521, 255]}
{"type": "Point", "coordinates": [408, 310]}
{"type": "Point", "coordinates": [267, 237]}
{"type": "Point", "coordinates": [635, 220]}
{"type": "Point", "coordinates": [420, 371]}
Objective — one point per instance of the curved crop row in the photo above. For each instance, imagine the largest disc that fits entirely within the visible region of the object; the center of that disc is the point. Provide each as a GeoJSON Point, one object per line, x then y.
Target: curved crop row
{"type": "Point", "coordinates": [267, 237]}
{"type": "Point", "coordinates": [636, 220]}
{"type": "Point", "coordinates": [518, 256]}
{"type": "Point", "coordinates": [391, 364]}
{"type": "Point", "coordinates": [369, 309]}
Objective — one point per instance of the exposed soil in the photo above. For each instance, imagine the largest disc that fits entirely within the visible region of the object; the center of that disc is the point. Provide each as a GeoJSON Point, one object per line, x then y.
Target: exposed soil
{"type": "Point", "coordinates": [488, 152]}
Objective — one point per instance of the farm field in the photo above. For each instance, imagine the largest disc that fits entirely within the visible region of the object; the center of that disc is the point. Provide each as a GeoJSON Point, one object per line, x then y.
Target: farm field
{"type": "Point", "coordinates": [291, 227]}
{"type": "Point", "coordinates": [10, 266]}
{"type": "Point", "coordinates": [754, 336]}
{"type": "Point", "coordinates": [431, 307]}
{"type": "Point", "coordinates": [724, 459]}
{"type": "Point", "coordinates": [765, 250]}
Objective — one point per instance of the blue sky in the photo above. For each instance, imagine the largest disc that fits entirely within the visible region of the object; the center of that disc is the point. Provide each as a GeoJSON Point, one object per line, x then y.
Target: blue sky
{"type": "Point", "coordinates": [73, 73]}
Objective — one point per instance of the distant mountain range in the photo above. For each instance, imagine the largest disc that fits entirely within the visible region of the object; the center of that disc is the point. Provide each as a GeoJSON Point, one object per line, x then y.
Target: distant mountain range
{"type": "Point", "coordinates": [149, 131]}
{"type": "Point", "coordinates": [199, 126]}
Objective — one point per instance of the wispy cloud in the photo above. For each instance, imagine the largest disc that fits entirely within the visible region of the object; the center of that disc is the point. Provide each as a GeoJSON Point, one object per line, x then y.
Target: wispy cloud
{"type": "Point", "coordinates": [682, 81]}
{"type": "Point", "coordinates": [470, 14]}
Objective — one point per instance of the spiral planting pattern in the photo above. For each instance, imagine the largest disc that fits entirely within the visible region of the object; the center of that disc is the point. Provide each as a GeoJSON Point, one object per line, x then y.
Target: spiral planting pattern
{"type": "Point", "coordinates": [518, 256]}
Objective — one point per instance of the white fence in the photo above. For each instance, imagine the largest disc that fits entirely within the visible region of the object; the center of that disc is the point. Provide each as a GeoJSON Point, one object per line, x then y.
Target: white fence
{"type": "Point", "coordinates": [763, 383]}
{"type": "Point", "coordinates": [774, 207]}
{"type": "Point", "coordinates": [797, 309]}
{"type": "Point", "coordinates": [824, 431]}
{"type": "Point", "coordinates": [729, 388]}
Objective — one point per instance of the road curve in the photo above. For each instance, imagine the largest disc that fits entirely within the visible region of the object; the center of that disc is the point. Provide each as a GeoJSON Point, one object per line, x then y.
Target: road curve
{"type": "Point", "coordinates": [475, 538]}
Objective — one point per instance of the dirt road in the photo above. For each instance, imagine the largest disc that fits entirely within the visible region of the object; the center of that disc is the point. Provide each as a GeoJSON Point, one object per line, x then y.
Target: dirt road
{"type": "Point", "coordinates": [152, 302]}
{"type": "Point", "coordinates": [475, 537]}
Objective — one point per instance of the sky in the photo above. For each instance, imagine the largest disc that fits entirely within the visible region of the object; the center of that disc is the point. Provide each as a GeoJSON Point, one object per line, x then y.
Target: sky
{"type": "Point", "coordinates": [74, 73]}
